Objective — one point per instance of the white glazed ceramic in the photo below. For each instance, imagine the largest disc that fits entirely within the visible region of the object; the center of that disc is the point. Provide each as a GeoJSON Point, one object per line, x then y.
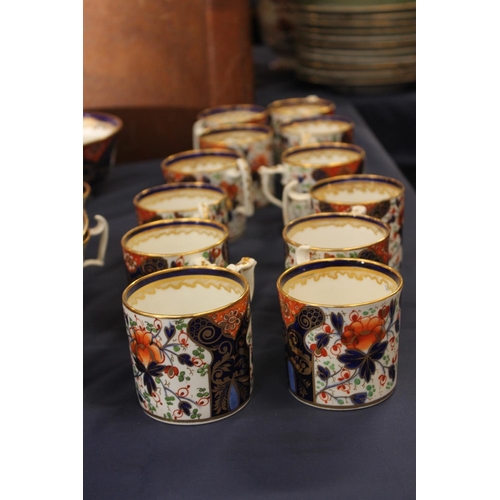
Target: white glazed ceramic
{"type": "Point", "coordinates": [164, 244]}
{"type": "Point", "coordinates": [224, 168]}
{"type": "Point", "coordinates": [182, 200]}
{"type": "Point", "coordinates": [254, 142]}
{"type": "Point", "coordinates": [325, 128]}
{"type": "Point", "coordinates": [190, 338]}
{"type": "Point", "coordinates": [100, 136]}
{"type": "Point", "coordinates": [285, 110]}
{"type": "Point", "coordinates": [302, 166]}
{"type": "Point", "coordinates": [229, 114]}
{"type": "Point", "coordinates": [99, 231]}
{"type": "Point", "coordinates": [335, 235]}
{"type": "Point", "coordinates": [375, 195]}
{"type": "Point", "coordinates": [341, 319]}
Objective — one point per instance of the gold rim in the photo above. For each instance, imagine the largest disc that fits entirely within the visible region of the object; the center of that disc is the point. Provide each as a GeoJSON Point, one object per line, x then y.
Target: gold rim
{"type": "Point", "coordinates": [355, 178]}
{"type": "Point", "coordinates": [86, 189]}
{"type": "Point", "coordinates": [323, 145]}
{"type": "Point", "coordinates": [176, 222]}
{"type": "Point", "coordinates": [328, 106]}
{"type": "Point", "coordinates": [178, 185]}
{"type": "Point", "coordinates": [206, 152]}
{"type": "Point", "coordinates": [118, 126]}
{"type": "Point", "coordinates": [328, 215]}
{"type": "Point", "coordinates": [321, 118]}
{"type": "Point", "coordinates": [348, 260]}
{"type": "Point", "coordinates": [259, 115]}
{"type": "Point", "coordinates": [268, 133]}
{"type": "Point", "coordinates": [175, 270]}
{"type": "Point", "coordinates": [85, 223]}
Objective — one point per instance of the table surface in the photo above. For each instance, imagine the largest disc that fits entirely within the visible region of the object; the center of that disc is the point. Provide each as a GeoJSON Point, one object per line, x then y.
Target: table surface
{"type": "Point", "coordinates": [274, 448]}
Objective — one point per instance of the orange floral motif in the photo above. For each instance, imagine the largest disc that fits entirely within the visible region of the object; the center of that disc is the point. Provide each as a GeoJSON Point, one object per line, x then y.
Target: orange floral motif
{"type": "Point", "coordinates": [133, 261]}
{"type": "Point", "coordinates": [230, 319]}
{"type": "Point", "coordinates": [347, 169]}
{"type": "Point", "coordinates": [260, 160]}
{"type": "Point", "coordinates": [289, 309]}
{"type": "Point", "coordinates": [145, 215]}
{"type": "Point", "coordinates": [231, 189]}
{"type": "Point", "coordinates": [144, 347]}
{"type": "Point", "coordinates": [363, 332]}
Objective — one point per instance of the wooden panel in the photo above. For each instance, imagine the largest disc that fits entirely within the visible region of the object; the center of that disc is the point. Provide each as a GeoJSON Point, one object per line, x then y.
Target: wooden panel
{"type": "Point", "coordinates": [157, 63]}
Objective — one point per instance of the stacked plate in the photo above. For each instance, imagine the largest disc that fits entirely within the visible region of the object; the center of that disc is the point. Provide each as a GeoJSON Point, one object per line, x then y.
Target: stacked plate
{"type": "Point", "coordinates": [356, 44]}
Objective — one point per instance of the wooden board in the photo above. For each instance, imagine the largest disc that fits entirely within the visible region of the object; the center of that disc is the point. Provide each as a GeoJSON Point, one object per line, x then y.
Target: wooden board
{"type": "Point", "coordinates": [157, 63]}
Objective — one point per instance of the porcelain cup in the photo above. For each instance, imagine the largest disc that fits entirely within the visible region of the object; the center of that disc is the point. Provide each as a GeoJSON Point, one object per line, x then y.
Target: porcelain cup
{"type": "Point", "coordinates": [374, 195]}
{"type": "Point", "coordinates": [224, 168]}
{"type": "Point", "coordinates": [341, 320]}
{"type": "Point", "coordinates": [283, 111]}
{"type": "Point", "coordinates": [286, 110]}
{"type": "Point", "coordinates": [253, 141]}
{"type": "Point", "coordinates": [325, 128]}
{"type": "Point", "coordinates": [164, 244]}
{"type": "Point", "coordinates": [335, 235]}
{"type": "Point", "coordinates": [182, 200]}
{"type": "Point", "coordinates": [302, 166]}
{"type": "Point", "coordinates": [99, 233]}
{"type": "Point", "coordinates": [100, 143]}
{"type": "Point", "coordinates": [228, 114]}
{"type": "Point", "coordinates": [190, 339]}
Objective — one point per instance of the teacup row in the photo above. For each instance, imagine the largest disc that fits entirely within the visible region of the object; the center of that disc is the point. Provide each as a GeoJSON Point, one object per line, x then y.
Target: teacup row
{"type": "Point", "coordinates": [190, 337]}
{"type": "Point", "coordinates": [229, 170]}
{"type": "Point", "coordinates": [189, 322]}
{"type": "Point", "coordinates": [261, 134]}
{"type": "Point", "coordinates": [188, 309]}
{"type": "Point", "coordinates": [369, 195]}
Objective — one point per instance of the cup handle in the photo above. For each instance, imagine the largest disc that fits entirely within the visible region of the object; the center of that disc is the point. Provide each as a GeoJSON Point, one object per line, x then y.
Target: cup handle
{"type": "Point", "coordinates": [201, 261]}
{"type": "Point", "coordinates": [248, 208]}
{"type": "Point", "coordinates": [203, 212]}
{"type": "Point", "coordinates": [100, 229]}
{"type": "Point", "coordinates": [246, 267]}
{"type": "Point", "coordinates": [306, 138]}
{"type": "Point", "coordinates": [198, 129]}
{"type": "Point", "coordinates": [265, 175]}
{"type": "Point", "coordinates": [289, 193]}
{"type": "Point", "coordinates": [358, 210]}
{"type": "Point", "coordinates": [302, 254]}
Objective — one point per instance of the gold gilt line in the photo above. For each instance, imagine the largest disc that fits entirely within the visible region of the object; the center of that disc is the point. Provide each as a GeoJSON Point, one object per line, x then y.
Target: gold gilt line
{"type": "Point", "coordinates": [332, 273]}
{"type": "Point", "coordinates": [142, 238]}
{"type": "Point", "coordinates": [190, 281]}
{"type": "Point", "coordinates": [381, 233]}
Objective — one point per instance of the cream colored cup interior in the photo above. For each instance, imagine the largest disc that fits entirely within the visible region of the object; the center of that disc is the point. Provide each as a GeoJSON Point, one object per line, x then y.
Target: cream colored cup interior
{"type": "Point", "coordinates": [172, 200]}
{"type": "Point", "coordinates": [298, 110]}
{"type": "Point", "coordinates": [175, 239]}
{"type": "Point", "coordinates": [323, 156]}
{"type": "Point", "coordinates": [356, 191]}
{"type": "Point", "coordinates": [337, 287]}
{"type": "Point", "coordinates": [316, 127]}
{"type": "Point", "coordinates": [184, 295]}
{"type": "Point", "coordinates": [335, 233]}
{"type": "Point", "coordinates": [234, 137]}
{"type": "Point", "coordinates": [95, 129]}
{"type": "Point", "coordinates": [230, 116]}
{"type": "Point", "coordinates": [202, 164]}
